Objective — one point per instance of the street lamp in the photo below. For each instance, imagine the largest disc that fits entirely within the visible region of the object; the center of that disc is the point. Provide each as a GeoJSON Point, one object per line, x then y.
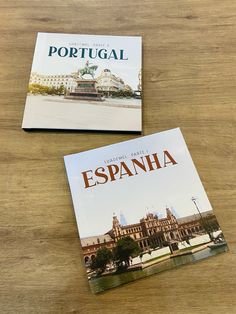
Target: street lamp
{"type": "Point", "coordinates": [194, 200]}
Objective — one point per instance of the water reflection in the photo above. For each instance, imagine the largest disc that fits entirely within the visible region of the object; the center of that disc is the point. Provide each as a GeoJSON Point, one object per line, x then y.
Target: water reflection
{"type": "Point", "coordinates": [111, 281]}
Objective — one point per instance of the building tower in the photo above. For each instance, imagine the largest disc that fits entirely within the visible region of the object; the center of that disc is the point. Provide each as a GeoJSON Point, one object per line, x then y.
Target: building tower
{"type": "Point", "coordinates": [123, 221]}
{"type": "Point", "coordinates": [174, 234]}
{"type": "Point", "coordinates": [116, 228]}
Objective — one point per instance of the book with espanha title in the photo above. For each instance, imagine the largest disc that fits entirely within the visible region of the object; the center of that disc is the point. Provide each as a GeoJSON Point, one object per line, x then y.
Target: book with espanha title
{"type": "Point", "coordinates": [85, 82]}
{"type": "Point", "coordinates": [141, 209]}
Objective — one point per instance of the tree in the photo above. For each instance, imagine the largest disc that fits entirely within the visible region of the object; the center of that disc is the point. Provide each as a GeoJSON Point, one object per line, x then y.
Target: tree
{"type": "Point", "coordinates": [125, 248]}
{"type": "Point", "coordinates": [209, 224]}
{"type": "Point", "coordinates": [103, 257]}
{"type": "Point", "coordinates": [122, 93]}
{"type": "Point", "coordinates": [153, 245]}
{"type": "Point", "coordinates": [37, 89]}
{"type": "Point", "coordinates": [46, 90]}
{"type": "Point", "coordinates": [61, 90]}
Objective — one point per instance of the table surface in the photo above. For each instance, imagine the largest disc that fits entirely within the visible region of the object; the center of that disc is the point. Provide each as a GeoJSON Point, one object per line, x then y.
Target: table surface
{"type": "Point", "coordinates": [189, 76]}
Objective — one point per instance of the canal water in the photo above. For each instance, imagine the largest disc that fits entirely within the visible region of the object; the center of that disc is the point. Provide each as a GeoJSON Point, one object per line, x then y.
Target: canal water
{"type": "Point", "coordinates": [110, 281]}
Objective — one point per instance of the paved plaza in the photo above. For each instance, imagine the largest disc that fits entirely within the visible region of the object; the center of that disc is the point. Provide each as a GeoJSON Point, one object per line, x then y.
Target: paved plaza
{"type": "Point", "coordinates": [59, 113]}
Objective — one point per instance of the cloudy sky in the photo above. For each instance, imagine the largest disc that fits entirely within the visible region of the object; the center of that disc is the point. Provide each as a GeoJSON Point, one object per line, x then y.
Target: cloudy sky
{"type": "Point", "coordinates": [135, 196]}
{"type": "Point", "coordinates": [126, 69]}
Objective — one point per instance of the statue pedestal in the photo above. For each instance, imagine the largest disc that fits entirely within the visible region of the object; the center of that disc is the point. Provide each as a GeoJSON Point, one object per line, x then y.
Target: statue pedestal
{"type": "Point", "coordinates": [85, 90]}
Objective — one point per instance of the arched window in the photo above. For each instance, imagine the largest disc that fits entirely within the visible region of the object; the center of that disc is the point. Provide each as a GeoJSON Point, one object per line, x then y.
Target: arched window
{"type": "Point", "coordinates": [86, 259]}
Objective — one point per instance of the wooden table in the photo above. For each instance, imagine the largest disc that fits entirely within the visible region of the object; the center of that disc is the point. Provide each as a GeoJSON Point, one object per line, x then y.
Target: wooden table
{"type": "Point", "coordinates": [189, 76]}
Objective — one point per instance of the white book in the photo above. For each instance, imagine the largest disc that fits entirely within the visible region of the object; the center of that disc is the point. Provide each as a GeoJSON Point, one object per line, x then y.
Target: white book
{"type": "Point", "coordinates": [85, 82]}
{"type": "Point", "coordinates": [140, 208]}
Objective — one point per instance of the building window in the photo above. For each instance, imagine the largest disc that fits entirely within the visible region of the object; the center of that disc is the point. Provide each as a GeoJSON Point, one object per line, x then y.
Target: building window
{"type": "Point", "coordinates": [86, 259]}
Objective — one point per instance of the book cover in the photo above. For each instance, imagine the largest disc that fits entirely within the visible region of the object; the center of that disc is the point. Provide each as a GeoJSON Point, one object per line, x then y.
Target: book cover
{"type": "Point", "coordinates": [141, 209]}
{"type": "Point", "coordinates": [85, 82]}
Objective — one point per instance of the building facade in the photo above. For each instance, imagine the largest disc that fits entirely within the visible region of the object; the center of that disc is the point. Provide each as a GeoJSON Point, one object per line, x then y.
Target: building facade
{"type": "Point", "coordinates": [66, 80]}
{"type": "Point", "coordinates": [151, 232]}
{"type": "Point", "coordinates": [108, 82]}
{"type": "Point", "coordinates": [90, 245]}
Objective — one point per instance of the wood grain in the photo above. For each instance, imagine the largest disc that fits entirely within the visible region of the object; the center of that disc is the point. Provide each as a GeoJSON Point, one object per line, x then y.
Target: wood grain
{"type": "Point", "coordinates": [189, 76]}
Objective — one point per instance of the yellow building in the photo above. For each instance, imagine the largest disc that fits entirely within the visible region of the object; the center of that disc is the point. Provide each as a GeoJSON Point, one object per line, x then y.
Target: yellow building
{"type": "Point", "coordinates": [108, 82]}
{"type": "Point", "coordinates": [66, 80]}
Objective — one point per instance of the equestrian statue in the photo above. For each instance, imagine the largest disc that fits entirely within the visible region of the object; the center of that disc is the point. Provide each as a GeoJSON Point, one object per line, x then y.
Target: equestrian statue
{"type": "Point", "coordinates": [88, 69]}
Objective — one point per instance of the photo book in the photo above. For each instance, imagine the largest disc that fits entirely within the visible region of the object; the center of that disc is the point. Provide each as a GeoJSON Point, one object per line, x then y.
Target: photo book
{"type": "Point", "coordinates": [85, 82]}
{"type": "Point", "coordinates": [141, 209]}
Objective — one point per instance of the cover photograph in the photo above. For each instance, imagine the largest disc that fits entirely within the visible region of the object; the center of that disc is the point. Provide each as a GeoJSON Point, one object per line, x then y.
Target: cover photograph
{"type": "Point", "coordinates": [85, 82]}
{"type": "Point", "coordinates": [140, 209]}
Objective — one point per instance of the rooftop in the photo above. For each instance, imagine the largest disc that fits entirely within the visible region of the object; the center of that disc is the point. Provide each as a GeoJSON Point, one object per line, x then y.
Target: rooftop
{"type": "Point", "coordinates": [194, 217]}
{"type": "Point", "coordinates": [96, 240]}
